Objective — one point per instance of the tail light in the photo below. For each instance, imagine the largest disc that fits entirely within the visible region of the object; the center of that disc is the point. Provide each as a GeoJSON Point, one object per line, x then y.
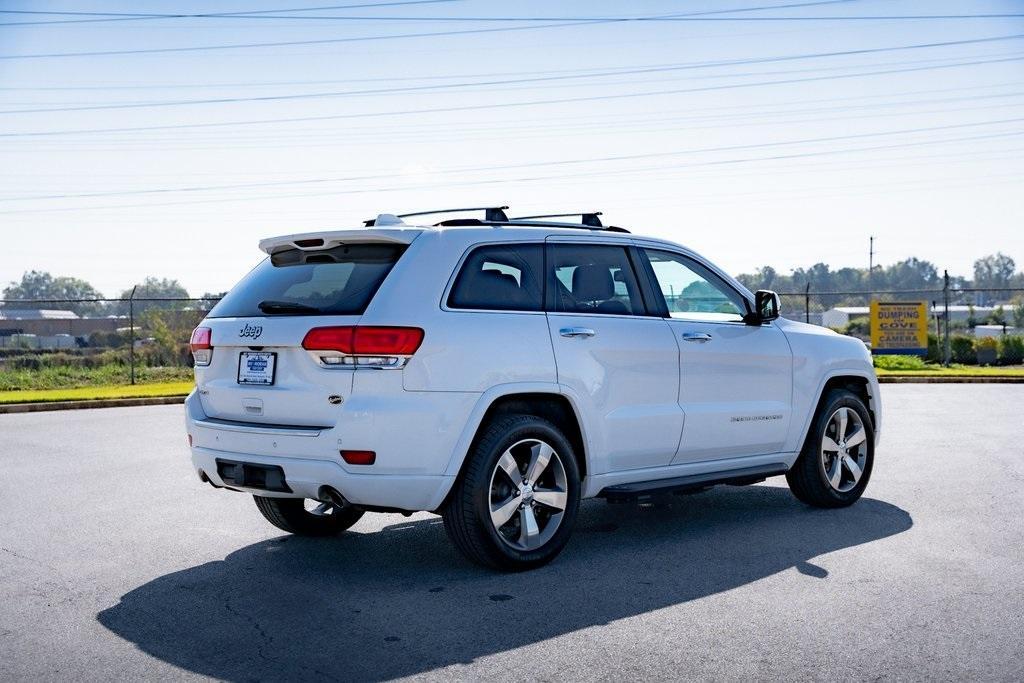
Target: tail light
{"type": "Point", "coordinates": [202, 349]}
{"type": "Point", "coordinates": [363, 346]}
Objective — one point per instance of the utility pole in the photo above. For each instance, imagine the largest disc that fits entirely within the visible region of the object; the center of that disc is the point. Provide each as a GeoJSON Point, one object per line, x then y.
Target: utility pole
{"type": "Point", "coordinates": [945, 301]}
{"type": "Point", "coordinates": [871, 260]}
{"type": "Point", "coordinates": [131, 327]}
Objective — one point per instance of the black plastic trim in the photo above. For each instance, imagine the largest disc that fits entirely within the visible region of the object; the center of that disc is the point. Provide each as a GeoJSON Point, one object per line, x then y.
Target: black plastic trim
{"type": "Point", "coordinates": [491, 213]}
{"type": "Point", "coordinates": [252, 476]}
{"type": "Point", "coordinates": [742, 476]}
{"type": "Point", "coordinates": [528, 224]}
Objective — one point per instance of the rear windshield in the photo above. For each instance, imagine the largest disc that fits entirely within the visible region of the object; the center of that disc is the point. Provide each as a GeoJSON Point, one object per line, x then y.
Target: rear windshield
{"type": "Point", "coordinates": [337, 281]}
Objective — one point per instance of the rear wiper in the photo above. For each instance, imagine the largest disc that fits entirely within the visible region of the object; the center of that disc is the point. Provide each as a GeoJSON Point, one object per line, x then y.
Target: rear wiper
{"type": "Point", "coordinates": [286, 307]}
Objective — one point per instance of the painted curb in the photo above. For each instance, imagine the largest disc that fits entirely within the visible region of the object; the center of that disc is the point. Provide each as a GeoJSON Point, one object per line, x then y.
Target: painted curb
{"type": "Point", "coordinates": [909, 379]}
{"type": "Point", "coordinates": [98, 403]}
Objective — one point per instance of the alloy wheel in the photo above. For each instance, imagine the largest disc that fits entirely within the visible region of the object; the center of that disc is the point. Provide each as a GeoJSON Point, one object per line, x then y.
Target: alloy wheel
{"type": "Point", "coordinates": [844, 449]}
{"type": "Point", "coordinates": [528, 494]}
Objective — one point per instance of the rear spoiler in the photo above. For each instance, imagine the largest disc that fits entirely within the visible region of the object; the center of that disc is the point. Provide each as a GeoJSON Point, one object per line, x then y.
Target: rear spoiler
{"type": "Point", "coordinates": [311, 241]}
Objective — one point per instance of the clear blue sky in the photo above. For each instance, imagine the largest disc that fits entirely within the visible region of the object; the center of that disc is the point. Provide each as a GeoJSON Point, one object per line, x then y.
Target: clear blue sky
{"type": "Point", "coordinates": [728, 136]}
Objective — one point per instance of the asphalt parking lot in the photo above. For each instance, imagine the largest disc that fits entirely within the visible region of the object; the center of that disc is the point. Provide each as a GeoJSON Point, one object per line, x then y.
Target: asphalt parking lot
{"type": "Point", "coordinates": [115, 563]}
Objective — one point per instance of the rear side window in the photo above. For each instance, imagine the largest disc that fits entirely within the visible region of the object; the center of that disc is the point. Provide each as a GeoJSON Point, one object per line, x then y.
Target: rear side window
{"type": "Point", "coordinates": [500, 277]}
{"type": "Point", "coordinates": [592, 279]}
{"type": "Point", "coordinates": [337, 281]}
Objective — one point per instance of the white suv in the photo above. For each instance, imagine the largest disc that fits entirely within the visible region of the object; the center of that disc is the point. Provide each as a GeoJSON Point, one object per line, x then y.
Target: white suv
{"type": "Point", "coordinates": [498, 371]}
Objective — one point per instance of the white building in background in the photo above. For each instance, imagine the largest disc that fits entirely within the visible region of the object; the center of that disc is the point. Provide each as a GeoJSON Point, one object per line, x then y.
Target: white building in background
{"type": "Point", "coordinates": [981, 331]}
{"type": "Point", "coordinates": [840, 316]}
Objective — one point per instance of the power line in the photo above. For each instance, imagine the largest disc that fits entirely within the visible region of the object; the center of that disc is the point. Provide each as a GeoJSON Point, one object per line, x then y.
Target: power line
{"type": "Point", "coordinates": [547, 178]}
{"type": "Point", "coordinates": [599, 127]}
{"type": "Point", "coordinates": [488, 19]}
{"type": "Point", "coordinates": [473, 84]}
{"type": "Point", "coordinates": [577, 121]}
{"type": "Point", "coordinates": [531, 164]}
{"type": "Point", "coordinates": [131, 16]}
{"type": "Point", "coordinates": [329, 41]}
{"type": "Point", "coordinates": [270, 14]}
{"type": "Point", "coordinates": [582, 73]}
{"type": "Point", "coordinates": [529, 102]}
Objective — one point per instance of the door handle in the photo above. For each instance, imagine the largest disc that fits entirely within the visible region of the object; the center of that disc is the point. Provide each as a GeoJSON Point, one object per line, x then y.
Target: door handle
{"type": "Point", "coordinates": [576, 332]}
{"type": "Point", "coordinates": [699, 337]}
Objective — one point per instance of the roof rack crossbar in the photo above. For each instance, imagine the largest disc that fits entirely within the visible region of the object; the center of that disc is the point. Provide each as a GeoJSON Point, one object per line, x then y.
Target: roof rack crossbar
{"type": "Point", "coordinates": [589, 218]}
{"type": "Point", "coordinates": [513, 222]}
{"type": "Point", "coordinates": [491, 213]}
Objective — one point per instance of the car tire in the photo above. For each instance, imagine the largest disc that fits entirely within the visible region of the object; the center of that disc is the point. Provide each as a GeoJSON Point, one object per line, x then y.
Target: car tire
{"type": "Point", "coordinates": [291, 515]}
{"type": "Point", "coordinates": [521, 469]}
{"type": "Point", "coordinates": [835, 464]}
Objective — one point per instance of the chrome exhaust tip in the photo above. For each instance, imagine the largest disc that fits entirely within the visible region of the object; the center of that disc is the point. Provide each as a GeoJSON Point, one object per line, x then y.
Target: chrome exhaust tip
{"type": "Point", "coordinates": [326, 494]}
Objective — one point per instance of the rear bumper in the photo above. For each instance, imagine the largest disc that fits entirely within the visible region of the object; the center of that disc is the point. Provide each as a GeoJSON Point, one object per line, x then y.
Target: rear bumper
{"type": "Point", "coordinates": [409, 473]}
{"type": "Point", "coordinates": [305, 477]}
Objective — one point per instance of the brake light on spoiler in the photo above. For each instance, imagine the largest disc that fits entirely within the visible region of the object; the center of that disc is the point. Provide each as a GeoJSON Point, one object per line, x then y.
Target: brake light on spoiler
{"type": "Point", "coordinates": [363, 346]}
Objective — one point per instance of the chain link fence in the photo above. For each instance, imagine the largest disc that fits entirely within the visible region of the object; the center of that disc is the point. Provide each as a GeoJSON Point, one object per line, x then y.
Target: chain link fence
{"type": "Point", "coordinates": [968, 326]}
{"type": "Point", "coordinates": [61, 343]}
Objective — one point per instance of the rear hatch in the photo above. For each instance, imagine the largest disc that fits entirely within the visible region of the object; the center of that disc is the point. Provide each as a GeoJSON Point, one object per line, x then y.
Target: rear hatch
{"type": "Point", "coordinates": [258, 370]}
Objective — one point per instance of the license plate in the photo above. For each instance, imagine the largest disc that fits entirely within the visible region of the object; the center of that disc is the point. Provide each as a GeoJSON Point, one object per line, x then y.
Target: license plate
{"type": "Point", "coordinates": [256, 367]}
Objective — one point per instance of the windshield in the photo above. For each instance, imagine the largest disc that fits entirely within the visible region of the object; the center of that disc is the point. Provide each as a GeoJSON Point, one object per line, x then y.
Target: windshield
{"type": "Point", "coordinates": [336, 281]}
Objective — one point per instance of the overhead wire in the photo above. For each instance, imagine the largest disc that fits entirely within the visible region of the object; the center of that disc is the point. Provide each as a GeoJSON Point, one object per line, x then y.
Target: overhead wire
{"type": "Point", "coordinates": [352, 39]}
{"type": "Point", "coordinates": [534, 163]}
{"type": "Point", "coordinates": [476, 107]}
{"type": "Point", "coordinates": [493, 82]}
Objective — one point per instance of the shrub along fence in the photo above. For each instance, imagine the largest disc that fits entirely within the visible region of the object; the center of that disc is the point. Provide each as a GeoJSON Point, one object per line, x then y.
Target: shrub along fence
{"type": "Point", "coordinates": [43, 344]}
{"type": "Point", "coordinates": [967, 325]}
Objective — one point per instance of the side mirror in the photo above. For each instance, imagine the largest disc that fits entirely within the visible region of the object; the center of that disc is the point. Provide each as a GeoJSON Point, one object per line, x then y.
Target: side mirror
{"type": "Point", "coordinates": [766, 307]}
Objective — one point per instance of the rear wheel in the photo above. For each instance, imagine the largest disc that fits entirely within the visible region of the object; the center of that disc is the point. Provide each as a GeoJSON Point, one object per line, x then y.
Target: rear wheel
{"type": "Point", "coordinates": [307, 517]}
{"type": "Point", "coordinates": [835, 464]}
{"type": "Point", "coordinates": [514, 506]}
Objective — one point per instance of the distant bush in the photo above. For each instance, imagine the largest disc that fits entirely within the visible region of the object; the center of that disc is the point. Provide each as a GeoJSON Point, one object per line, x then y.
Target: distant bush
{"type": "Point", "coordinates": [110, 340]}
{"type": "Point", "coordinates": [858, 327]}
{"type": "Point", "coordinates": [1011, 350]}
{"type": "Point", "coordinates": [900, 362]}
{"type": "Point", "coordinates": [935, 351]}
{"type": "Point", "coordinates": [962, 349]}
{"type": "Point", "coordinates": [985, 349]}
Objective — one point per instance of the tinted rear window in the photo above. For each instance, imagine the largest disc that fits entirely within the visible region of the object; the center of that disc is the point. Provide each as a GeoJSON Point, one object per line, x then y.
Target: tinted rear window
{"type": "Point", "coordinates": [337, 281]}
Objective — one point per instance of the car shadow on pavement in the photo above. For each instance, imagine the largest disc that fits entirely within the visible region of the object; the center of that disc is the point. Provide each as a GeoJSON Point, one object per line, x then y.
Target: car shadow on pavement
{"type": "Point", "coordinates": [401, 601]}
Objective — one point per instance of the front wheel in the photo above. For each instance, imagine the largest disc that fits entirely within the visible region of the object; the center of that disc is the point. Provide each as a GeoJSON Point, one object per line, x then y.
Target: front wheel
{"type": "Point", "coordinates": [835, 464]}
{"type": "Point", "coordinates": [312, 518]}
{"type": "Point", "coordinates": [514, 506]}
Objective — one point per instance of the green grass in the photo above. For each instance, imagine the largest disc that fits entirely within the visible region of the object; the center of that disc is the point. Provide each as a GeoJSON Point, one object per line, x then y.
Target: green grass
{"type": "Point", "coordinates": [953, 370]}
{"type": "Point", "coordinates": [97, 392]}
{"type": "Point", "coordinates": [69, 377]}
{"type": "Point", "coordinates": [900, 363]}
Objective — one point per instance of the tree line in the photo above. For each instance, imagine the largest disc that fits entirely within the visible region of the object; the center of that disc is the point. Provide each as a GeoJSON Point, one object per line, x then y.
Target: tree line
{"type": "Point", "coordinates": [36, 284]}
{"type": "Point", "coordinates": [995, 271]}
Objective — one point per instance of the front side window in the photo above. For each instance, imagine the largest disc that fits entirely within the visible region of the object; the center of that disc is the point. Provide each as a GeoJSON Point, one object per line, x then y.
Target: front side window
{"type": "Point", "coordinates": [500, 277]}
{"type": "Point", "coordinates": [336, 281]}
{"type": "Point", "coordinates": [691, 291]}
{"type": "Point", "coordinates": [592, 279]}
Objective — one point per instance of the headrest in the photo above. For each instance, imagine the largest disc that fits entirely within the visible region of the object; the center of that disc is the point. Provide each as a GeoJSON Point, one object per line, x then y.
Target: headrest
{"type": "Point", "coordinates": [592, 283]}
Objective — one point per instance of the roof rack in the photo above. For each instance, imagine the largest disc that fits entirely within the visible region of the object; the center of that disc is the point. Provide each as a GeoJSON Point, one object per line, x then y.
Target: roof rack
{"type": "Point", "coordinates": [589, 218]}
{"type": "Point", "coordinates": [494, 214]}
{"type": "Point", "coordinates": [514, 222]}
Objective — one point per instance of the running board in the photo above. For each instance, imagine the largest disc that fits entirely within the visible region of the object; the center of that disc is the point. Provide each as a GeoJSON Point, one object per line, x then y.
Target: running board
{"type": "Point", "coordinates": [741, 477]}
